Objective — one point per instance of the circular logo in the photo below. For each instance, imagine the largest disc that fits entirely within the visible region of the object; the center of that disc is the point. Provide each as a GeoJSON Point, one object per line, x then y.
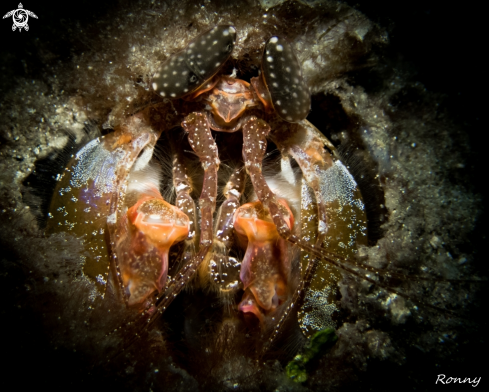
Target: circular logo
{"type": "Point", "coordinates": [20, 18]}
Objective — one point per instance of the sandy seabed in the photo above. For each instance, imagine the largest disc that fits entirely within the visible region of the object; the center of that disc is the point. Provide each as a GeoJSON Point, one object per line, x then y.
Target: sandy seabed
{"type": "Point", "coordinates": [409, 154]}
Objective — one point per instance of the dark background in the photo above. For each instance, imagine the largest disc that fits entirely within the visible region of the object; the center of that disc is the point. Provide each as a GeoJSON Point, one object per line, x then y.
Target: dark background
{"type": "Point", "coordinates": [441, 44]}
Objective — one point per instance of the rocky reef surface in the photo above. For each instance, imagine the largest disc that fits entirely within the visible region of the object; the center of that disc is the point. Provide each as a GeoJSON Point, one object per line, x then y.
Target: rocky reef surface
{"type": "Point", "coordinates": [408, 147]}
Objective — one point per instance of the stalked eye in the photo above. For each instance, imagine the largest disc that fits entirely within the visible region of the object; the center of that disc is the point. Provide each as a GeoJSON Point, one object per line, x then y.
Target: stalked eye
{"type": "Point", "coordinates": [283, 77]}
{"type": "Point", "coordinates": [186, 71]}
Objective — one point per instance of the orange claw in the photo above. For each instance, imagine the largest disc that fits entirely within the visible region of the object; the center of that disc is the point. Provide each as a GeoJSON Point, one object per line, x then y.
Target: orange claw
{"type": "Point", "coordinates": [265, 268]}
{"type": "Point", "coordinates": [154, 226]}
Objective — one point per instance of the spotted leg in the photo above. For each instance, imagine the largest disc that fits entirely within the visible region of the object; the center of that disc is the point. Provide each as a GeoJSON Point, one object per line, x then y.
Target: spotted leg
{"type": "Point", "coordinates": [201, 141]}
{"type": "Point", "coordinates": [204, 146]}
{"type": "Point", "coordinates": [232, 192]}
{"type": "Point", "coordinates": [184, 201]}
{"type": "Point", "coordinates": [255, 133]}
{"type": "Point", "coordinates": [223, 267]}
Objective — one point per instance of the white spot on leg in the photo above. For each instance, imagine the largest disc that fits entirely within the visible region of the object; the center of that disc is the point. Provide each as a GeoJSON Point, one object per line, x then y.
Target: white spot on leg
{"type": "Point", "coordinates": [155, 86]}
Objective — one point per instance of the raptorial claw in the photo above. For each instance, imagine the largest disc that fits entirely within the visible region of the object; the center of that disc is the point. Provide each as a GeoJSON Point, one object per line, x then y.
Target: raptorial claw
{"type": "Point", "coordinates": [91, 190]}
{"type": "Point", "coordinates": [153, 227]}
{"type": "Point", "coordinates": [265, 268]}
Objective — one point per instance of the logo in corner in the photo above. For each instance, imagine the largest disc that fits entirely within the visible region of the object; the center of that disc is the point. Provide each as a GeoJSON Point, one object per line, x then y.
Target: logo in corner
{"type": "Point", "coordinates": [20, 16]}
